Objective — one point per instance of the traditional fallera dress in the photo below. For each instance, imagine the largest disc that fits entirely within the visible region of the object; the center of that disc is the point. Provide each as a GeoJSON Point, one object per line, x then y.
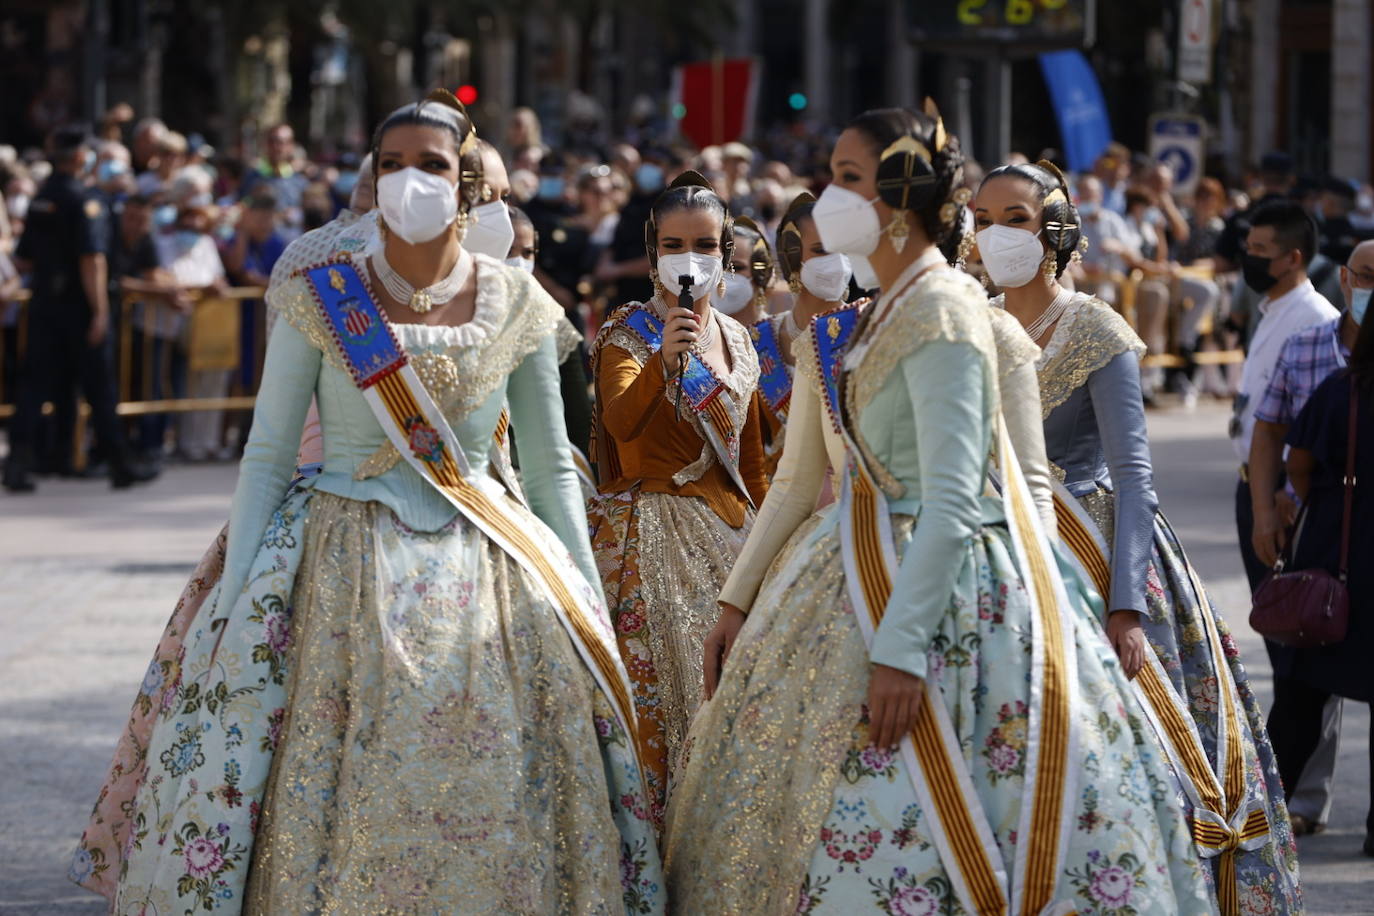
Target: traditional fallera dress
{"type": "Point", "coordinates": [1027, 784]}
{"type": "Point", "coordinates": [676, 498]}
{"type": "Point", "coordinates": [404, 693]}
{"type": "Point", "coordinates": [1194, 689]}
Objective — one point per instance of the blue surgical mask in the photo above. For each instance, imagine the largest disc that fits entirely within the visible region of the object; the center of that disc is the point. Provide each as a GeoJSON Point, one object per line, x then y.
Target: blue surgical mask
{"type": "Point", "coordinates": [89, 162]}
{"type": "Point", "coordinates": [551, 187]}
{"type": "Point", "coordinates": [109, 170]}
{"type": "Point", "coordinates": [164, 216]}
{"type": "Point", "coordinates": [649, 177]}
{"type": "Point", "coordinates": [1087, 208]}
{"type": "Point", "coordinates": [1359, 303]}
{"type": "Point", "coordinates": [187, 238]}
{"type": "Point", "coordinates": [345, 183]}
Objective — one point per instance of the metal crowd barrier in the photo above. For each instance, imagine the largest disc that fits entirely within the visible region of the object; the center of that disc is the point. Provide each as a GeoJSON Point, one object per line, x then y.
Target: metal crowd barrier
{"type": "Point", "coordinates": [213, 340]}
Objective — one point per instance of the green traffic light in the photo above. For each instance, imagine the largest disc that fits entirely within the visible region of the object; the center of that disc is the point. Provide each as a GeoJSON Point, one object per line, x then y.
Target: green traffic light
{"type": "Point", "coordinates": [796, 101]}
{"type": "Point", "coordinates": [679, 111]}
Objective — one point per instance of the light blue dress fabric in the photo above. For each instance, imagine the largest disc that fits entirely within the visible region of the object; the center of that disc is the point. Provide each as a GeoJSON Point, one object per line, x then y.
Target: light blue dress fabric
{"type": "Point", "coordinates": [779, 763]}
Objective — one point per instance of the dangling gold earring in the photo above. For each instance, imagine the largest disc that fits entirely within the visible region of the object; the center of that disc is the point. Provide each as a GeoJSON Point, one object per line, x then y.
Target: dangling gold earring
{"type": "Point", "coordinates": [898, 231]}
{"type": "Point", "coordinates": [659, 290]}
{"type": "Point", "coordinates": [1050, 267]}
{"type": "Point", "coordinates": [965, 249]}
{"type": "Point", "coordinates": [794, 284]}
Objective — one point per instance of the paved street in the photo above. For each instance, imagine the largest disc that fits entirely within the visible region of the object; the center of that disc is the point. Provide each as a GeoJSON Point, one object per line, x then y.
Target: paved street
{"type": "Point", "coordinates": [88, 577]}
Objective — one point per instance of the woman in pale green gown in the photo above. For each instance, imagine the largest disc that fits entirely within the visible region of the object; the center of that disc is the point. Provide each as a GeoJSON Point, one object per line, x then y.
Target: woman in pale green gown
{"type": "Point", "coordinates": [801, 792]}
{"type": "Point", "coordinates": [384, 707]}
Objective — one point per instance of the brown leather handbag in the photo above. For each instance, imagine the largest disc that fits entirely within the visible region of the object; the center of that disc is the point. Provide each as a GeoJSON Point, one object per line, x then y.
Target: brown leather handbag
{"type": "Point", "coordinates": [1310, 607]}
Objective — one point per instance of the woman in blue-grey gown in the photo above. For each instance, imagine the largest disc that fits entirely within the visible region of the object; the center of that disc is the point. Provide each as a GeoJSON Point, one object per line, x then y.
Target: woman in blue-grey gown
{"type": "Point", "coordinates": [1160, 621]}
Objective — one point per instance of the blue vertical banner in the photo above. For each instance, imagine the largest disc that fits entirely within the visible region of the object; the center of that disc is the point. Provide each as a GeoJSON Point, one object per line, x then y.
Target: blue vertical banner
{"type": "Point", "coordinates": [1084, 126]}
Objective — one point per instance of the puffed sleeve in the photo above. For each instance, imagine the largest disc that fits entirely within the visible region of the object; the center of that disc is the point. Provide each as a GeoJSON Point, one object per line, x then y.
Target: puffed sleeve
{"type": "Point", "coordinates": [1021, 409]}
{"type": "Point", "coordinates": [631, 393]}
{"type": "Point", "coordinates": [546, 460]}
{"type": "Point", "coordinates": [1115, 393]}
{"type": "Point", "coordinates": [289, 374]}
{"type": "Point", "coordinates": [791, 497]}
{"type": "Point", "coordinates": [946, 385]}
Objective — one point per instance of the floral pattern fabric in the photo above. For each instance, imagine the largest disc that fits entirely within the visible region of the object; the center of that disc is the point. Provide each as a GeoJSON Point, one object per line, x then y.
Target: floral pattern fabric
{"type": "Point", "coordinates": [663, 559]}
{"type": "Point", "coordinates": [1267, 877]}
{"type": "Point", "coordinates": [98, 859]}
{"type": "Point", "coordinates": [264, 758]}
{"type": "Point", "coordinates": [797, 678]}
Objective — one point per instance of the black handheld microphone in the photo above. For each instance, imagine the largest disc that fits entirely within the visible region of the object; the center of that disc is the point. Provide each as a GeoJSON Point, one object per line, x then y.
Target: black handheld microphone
{"type": "Point", "coordinates": [684, 301]}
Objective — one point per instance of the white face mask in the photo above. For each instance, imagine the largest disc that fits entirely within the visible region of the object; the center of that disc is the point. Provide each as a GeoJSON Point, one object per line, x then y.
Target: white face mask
{"type": "Point", "coordinates": [827, 276]}
{"type": "Point", "coordinates": [417, 205]}
{"type": "Point", "coordinates": [704, 269]}
{"type": "Point", "coordinates": [847, 223]}
{"type": "Point", "coordinates": [863, 273]}
{"type": "Point", "coordinates": [1012, 256]}
{"type": "Point", "coordinates": [525, 264]}
{"type": "Point", "coordinates": [739, 292]}
{"type": "Point", "coordinates": [489, 230]}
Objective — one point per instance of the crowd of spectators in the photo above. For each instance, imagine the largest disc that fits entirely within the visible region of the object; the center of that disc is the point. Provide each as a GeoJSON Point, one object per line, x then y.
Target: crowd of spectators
{"type": "Point", "coordinates": [188, 219]}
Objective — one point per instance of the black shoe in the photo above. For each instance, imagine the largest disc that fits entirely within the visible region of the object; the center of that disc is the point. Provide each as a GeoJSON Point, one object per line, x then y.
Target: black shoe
{"type": "Point", "coordinates": [1369, 845]}
{"type": "Point", "coordinates": [126, 475]}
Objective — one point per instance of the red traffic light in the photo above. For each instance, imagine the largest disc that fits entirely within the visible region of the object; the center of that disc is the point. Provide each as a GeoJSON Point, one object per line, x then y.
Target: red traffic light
{"type": "Point", "coordinates": [466, 93]}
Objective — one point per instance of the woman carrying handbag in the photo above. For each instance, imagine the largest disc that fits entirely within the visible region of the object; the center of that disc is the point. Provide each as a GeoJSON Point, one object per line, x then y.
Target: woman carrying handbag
{"type": "Point", "coordinates": [1319, 463]}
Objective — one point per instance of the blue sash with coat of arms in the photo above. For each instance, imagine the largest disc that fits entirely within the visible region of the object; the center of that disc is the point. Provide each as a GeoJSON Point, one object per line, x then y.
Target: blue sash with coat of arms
{"type": "Point", "coordinates": [775, 376]}
{"type": "Point", "coordinates": [703, 391]}
{"type": "Point", "coordinates": [833, 331]}
{"type": "Point", "coordinates": [418, 429]}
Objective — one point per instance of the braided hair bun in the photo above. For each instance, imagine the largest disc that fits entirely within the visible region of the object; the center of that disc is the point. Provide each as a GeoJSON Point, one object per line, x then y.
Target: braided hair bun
{"type": "Point", "coordinates": [790, 254]}
{"type": "Point", "coordinates": [921, 165]}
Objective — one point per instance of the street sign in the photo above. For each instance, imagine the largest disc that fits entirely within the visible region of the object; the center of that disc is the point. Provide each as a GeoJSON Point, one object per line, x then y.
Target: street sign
{"type": "Point", "coordinates": [1178, 141]}
{"type": "Point", "coordinates": [1038, 24]}
{"type": "Point", "coordinates": [1195, 42]}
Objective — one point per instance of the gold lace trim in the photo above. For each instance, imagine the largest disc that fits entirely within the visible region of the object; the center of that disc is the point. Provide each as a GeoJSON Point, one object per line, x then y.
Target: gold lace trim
{"type": "Point", "coordinates": [943, 305]}
{"type": "Point", "coordinates": [516, 316]}
{"type": "Point", "coordinates": [1014, 346]}
{"type": "Point", "coordinates": [568, 338]}
{"type": "Point", "coordinates": [1090, 335]}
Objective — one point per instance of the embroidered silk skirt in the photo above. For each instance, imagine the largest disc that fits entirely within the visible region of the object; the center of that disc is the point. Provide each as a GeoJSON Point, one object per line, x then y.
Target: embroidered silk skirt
{"type": "Point", "coordinates": [663, 562]}
{"type": "Point", "coordinates": [781, 806]}
{"type": "Point", "coordinates": [1266, 877]}
{"type": "Point", "coordinates": [385, 721]}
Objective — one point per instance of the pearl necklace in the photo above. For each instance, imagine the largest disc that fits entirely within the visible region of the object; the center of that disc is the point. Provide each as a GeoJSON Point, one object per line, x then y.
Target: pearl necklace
{"type": "Point", "coordinates": [423, 299]}
{"type": "Point", "coordinates": [707, 335]}
{"type": "Point", "coordinates": [1052, 313]}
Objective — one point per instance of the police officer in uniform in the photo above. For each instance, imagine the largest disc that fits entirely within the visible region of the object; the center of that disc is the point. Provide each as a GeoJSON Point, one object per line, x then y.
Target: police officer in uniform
{"type": "Point", "coordinates": [63, 248]}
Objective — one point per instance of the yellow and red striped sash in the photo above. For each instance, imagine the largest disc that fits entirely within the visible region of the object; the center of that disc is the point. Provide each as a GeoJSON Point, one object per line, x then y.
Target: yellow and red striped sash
{"type": "Point", "coordinates": [1223, 821]}
{"type": "Point", "coordinates": [418, 429]}
{"type": "Point", "coordinates": [931, 752]}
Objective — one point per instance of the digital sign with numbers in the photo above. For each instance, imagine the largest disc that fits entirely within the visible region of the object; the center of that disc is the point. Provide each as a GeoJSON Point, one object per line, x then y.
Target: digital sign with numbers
{"type": "Point", "coordinates": [1045, 23]}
